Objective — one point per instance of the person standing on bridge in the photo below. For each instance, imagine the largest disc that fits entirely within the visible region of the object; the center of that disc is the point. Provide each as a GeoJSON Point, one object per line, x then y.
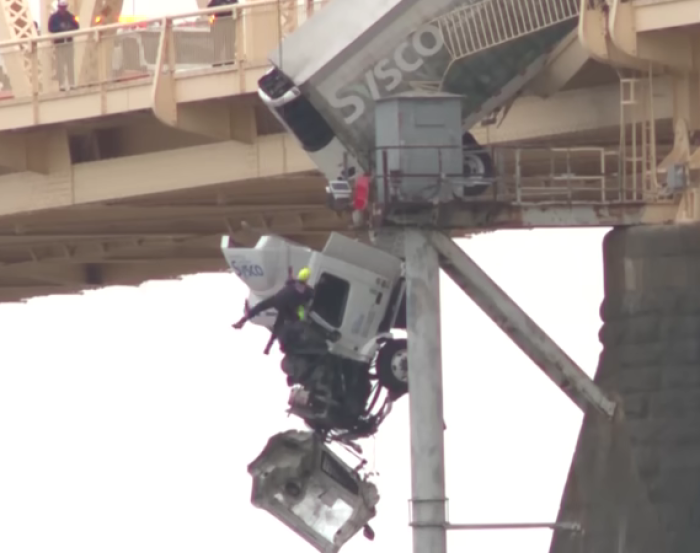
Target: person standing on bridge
{"type": "Point", "coordinates": [63, 21]}
{"type": "Point", "coordinates": [223, 33]}
{"type": "Point", "coordinates": [290, 302]}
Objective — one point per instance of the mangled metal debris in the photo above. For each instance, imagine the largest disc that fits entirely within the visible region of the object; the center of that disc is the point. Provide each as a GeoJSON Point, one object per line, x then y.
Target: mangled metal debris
{"type": "Point", "coordinates": [302, 483]}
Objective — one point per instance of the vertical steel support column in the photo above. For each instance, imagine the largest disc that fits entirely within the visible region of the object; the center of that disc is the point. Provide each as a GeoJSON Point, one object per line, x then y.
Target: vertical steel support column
{"type": "Point", "coordinates": [428, 504]}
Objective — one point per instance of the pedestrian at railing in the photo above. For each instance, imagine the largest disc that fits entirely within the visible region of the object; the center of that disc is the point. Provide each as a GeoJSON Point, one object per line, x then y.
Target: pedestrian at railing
{"type": "Point", "coordinates": [63, 21]}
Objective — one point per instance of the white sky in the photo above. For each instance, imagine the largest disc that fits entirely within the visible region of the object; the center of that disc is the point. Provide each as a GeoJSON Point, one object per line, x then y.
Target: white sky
{"type": "Point", "coordinates": [147, 8]}
{"type": "Point", "coordinates": [128, 415]}
{"type": "Point", "coordinates": [144, 8]}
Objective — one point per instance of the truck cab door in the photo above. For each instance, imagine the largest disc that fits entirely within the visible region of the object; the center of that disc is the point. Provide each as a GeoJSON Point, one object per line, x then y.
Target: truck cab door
{"type": "Point", "coordinates": [331, 291]}
{"type": "Point", "coordinates": [348, 299]}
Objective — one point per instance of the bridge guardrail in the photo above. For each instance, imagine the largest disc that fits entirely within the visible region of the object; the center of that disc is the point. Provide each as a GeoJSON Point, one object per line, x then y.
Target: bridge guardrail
{"type": "Point", "coordinates": [115, 55]}
{"type": "Point", "coordinates": [519, 175]}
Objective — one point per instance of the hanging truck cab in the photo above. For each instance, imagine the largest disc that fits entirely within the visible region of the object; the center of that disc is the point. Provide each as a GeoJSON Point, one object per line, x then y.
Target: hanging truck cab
{"type": "Point", "coordinates": [346, 350]}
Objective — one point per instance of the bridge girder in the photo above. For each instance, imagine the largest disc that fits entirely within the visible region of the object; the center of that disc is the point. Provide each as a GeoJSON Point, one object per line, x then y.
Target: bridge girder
{"type": "Point", "coordinates": [66, 185]}
{"type": "Point", "coordinates": [562, 65]}
{"type": "Point", "coordinates": [16, 22]}
{"type": "Point", "coordinates": [568, 113]}
{"type": "Point", "coordinates": [667, 47]}
{"type": "Point", "coordinates": [96, 13]}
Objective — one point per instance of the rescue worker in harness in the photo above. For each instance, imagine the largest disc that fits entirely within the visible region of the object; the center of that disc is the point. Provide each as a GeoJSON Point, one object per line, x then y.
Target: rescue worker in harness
{"type": "Point", "coordinates": [290, 303]}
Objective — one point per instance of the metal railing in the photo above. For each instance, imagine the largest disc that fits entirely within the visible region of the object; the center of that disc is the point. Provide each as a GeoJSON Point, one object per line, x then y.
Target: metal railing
{"type": "Point", "coordinates": [489, 23]}
{"type": "Point", "coordinates": [530, 175]}
{"type": "Point", "coordinates": [111, 55]}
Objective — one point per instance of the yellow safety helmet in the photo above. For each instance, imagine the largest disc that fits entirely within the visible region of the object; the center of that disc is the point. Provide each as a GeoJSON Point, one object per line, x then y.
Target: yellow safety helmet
{"type": "Point", "coordinates": [304, 274]}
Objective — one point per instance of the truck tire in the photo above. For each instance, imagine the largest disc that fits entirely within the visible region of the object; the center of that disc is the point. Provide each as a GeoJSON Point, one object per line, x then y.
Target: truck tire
{"type": "Point", "coordinates": [476, 163]}
{"type": "Point", "coordinates": [392, 367]}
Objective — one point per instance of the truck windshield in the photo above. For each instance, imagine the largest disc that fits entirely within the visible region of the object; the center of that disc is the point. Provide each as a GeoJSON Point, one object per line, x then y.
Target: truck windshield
{"type": "Point", "coordinates": [330, 298]}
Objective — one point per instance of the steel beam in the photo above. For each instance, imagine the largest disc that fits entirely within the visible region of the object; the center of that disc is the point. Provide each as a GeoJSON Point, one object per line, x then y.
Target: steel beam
{"type": "Point", "coordinates": [500, 104]}
{"type": "Point", "coordinates": [216, 120]}
{"type": "Point", "coordinates": [130, 218]}
{"type": "Point", "coordinates": [40, 151]}
{"type": "Point", "coordinates": [188, 251]}
{"type": "Point", "coordinates": [666, 47]}
{"type": "Point", "coordinates": [20, 294]}
{"type": "Point", "coordinates": [519, 327]}
{"type": "Point", "coordinates": [289, 16]}
{"type": "Point", "coordinates": [570, 112]}
{"type": "Point", "coordinates": [135, 273]}
{"type": "Point", "coordinates": [428, 503]}
{"type": "Point", "coordinates": [570, 526]}
{"type": "Point", "coordinates": [71, 275]}
{"type": "Point", "coordinates": [686, 122]}
{"type": "Point", "coordinates": [668, 15]}
{"type": "Point", "coordinates": [594, 35]}
{"type": "Point", "coordinates": [133, 176]}
{"type": "Point", "coordinates": [16, 23]}
{"type": "Point", "coordinates": [135, 213]}
{"type": "Point", "coordinates": [95, 13]}
{"type": "Point", "coordinates": [44, 13]}
{"type": "Point", "coordinates": [504, 215]}
{"type": "Point", "coordinates": [563, 64]}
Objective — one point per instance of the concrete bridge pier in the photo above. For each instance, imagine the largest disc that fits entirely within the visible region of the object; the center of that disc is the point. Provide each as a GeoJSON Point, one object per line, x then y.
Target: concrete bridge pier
{"type": "Point", "coordinates": [634, 484]}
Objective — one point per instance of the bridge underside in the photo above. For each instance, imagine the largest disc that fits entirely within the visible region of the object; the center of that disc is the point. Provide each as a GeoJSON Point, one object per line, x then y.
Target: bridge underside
{"type": "Point", "coordinates": [162, 236]}
{"type": "Point", "coordinates": [119, 201]}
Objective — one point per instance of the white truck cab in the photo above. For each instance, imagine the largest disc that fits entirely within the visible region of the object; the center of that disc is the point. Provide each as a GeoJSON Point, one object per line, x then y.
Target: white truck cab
{"type": "Point", "coordinates": [358, 289]}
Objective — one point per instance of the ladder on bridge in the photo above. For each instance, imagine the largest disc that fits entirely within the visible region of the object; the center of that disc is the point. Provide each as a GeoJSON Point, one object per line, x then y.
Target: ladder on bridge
{"type": "Point", "coordinates": [638, 161]}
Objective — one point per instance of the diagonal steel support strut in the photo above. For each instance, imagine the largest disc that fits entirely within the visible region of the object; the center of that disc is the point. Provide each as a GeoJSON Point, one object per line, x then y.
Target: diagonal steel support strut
{"type": "Point", "coordinates": [519, 327]}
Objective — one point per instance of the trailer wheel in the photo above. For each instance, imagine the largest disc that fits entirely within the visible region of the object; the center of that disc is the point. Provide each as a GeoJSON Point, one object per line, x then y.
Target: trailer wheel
{"type": "Point", "coordinates": [392, 367]}
{"type": "Point", "coordinates": [476, 163]}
